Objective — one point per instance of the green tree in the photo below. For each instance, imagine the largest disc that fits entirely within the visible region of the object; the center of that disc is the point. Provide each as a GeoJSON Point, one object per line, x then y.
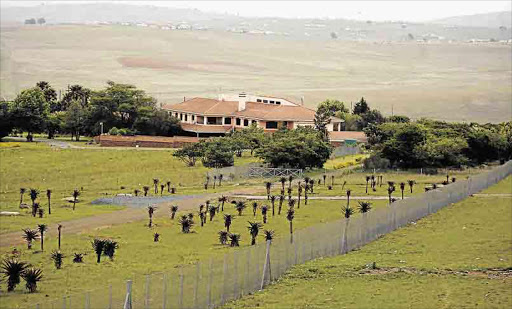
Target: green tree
{"type": "Point", "coordinates": [6, 121]}
{"type": "Point", "coordinates": [218, 153]}
{"type": "Point", "coordinates": [190, 153]}
{"type": "Point", "coordinates": [30, 111]}
{"type": "Point", "coordinates": [74, 119]}
{"type": "Point", "coordinates": [361, 107]}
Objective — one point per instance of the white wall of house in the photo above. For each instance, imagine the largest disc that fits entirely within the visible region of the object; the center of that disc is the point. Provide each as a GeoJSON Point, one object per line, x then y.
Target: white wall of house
{"type": "Point", "coordinates": [255, 98]}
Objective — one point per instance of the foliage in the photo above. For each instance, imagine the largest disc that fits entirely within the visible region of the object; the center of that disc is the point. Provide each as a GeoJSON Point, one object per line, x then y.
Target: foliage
{"type": "Point", "coordinates": [109, 248]}
{"type": "Point", "coordinates": [57, 258]}
{"type": "Point", "coordinates": [12, 269]}
{"type": "Point", "coordinates": [30, 110]}
{"type": "Point", "coordinates": [6, 120]}
{"type": "Point", "coordinates": [218, 152]}
{"type": "Point", "coordinates": [361, 107]}
{"type": "Point", "coordinates": [31, 277]}
{"type": "Point", "coordinates": [189, 153]}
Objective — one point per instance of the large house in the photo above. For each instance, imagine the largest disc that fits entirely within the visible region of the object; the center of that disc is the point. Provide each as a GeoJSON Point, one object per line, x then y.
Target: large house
{"type": "Point", "coordinates": [207, 117]}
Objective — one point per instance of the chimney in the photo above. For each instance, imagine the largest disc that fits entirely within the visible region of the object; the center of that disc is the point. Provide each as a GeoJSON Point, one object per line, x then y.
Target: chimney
{"type": "Point", "coordinates": [242, 98]}
{"type": "Point", "coordinates": [302, 101]}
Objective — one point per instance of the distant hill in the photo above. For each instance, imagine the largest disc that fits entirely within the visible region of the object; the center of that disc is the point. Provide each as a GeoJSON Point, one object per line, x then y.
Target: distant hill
{"type": "Point", "coordinates": [488, 20]}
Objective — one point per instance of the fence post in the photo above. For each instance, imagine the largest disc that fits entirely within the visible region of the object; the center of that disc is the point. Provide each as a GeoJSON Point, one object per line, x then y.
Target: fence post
{"type": "Point", "coordinates": [247, 274]}
{"type": "Point", "coordinates": [180, 302]}
{"type": "Point", "coordinates": [64, 302]}
{"type": "Point", "coordinates": [128, 299]}
{"type": "Point", "coordinates": [209, 287]}
{"type": "Point", "coordinates": [146, 294]}
{"type": "Point", "coordinates": [110, 296]}
{"type": "Point", "coordinates": [87, 300]}
{"type": "Point", "coordinates": [266, 265]}
{"type": "Point", "coordinates": [224, 278]}
{"type": "Point", "coordinates": [196, 283]}
{"type": "Point", "coordinates": [164, 304]}
{"type": "Point", "coordinates": [235, 274]}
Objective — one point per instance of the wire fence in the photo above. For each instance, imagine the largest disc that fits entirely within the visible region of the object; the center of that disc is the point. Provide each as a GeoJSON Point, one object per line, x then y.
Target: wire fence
{"type": "Point", "coordinates": [212, 283]}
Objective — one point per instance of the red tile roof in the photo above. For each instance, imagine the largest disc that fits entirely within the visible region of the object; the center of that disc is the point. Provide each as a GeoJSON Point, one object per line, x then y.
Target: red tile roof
{"type": "Point", "coordinates": [344, 135]}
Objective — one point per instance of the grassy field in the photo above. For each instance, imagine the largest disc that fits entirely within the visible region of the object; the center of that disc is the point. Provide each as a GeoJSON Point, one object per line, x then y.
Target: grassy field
{"type": "Point", "coordinates": [464, 82]}
{"type": "Point", "coordinates": [456, 258]}
{"type": "Point", "coordinates": [96, 172]}
{"type": "Point", "coordinates": [138, 254]}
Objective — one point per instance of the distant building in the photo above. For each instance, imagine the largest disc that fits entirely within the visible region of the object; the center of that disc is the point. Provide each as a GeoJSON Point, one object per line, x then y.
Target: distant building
{"type": "Point", "coordinates": [206, 117]}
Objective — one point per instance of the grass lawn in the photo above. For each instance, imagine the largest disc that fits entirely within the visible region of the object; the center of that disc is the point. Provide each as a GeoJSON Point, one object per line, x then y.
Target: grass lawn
{"type": "Point", "coordinates": [439, 262]}
{"type": "Point", "coordinates": [96, 172]}
{"type": "Point", "coordinates": [138, 254]}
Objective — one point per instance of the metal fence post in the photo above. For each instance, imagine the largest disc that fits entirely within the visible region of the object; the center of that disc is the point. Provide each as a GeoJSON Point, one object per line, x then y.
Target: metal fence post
{"type": "Point", "coordinates": [245, 286]}
{"type": "Point", "coordinates": [196, 283]}
{"type": "Point", "coordinates": [110, 296]}
{"type": "Point", "coordinates": [64, 302]}
{"type": "Point", "coordinates": [180, 301]}
{"type": "Point", "coordinates": [224, 278]}
{"type": "Point", "coordinates": [128, 299]}
{"type": "Point", "coordinates": [164, 292]}
{"type": "Point", "coordinates": [209, 287]}
{"type": "Point", "coordinates": [87, 300]}
{"type": "Point", "coordinates": [235, 274]}
{"type": "Point", "coordinates": [266, 266]}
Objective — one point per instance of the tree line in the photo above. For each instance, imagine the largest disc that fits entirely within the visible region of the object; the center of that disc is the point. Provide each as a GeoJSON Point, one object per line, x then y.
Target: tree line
{"type": "Point", "coordinates": [81, 111]}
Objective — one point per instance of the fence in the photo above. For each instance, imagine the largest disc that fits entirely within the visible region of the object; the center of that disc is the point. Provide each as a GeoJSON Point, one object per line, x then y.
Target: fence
{"type": "Point", "coordinates": [209, 284]}
{"type": "Point", "coordinates": [274, 172]}
{"type": "Point", "coordinates": [346, 150]}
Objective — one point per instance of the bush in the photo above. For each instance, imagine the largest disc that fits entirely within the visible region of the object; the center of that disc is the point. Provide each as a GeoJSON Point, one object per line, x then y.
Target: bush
{"type": "Point", "coordinates": [113, 131]}
{"type": "Point", "coordinates": [376, 162]}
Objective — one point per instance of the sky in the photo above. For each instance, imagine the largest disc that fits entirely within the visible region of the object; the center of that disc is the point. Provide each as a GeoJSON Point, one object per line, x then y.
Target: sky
{"type": "Point", "coordinates": [359, 10]}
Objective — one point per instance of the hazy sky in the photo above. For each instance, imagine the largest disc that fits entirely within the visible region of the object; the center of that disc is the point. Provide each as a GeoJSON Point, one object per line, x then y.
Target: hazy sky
{"type": "Point", "coordinates": [361, 10]}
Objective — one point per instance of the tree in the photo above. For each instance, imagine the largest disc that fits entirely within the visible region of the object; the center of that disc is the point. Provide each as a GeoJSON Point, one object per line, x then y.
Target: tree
{"type": "Point", "coordinates": [32, 276]}
{"type": "Point", "coordinates": [41, 21]}
{"type": "Point", "coordinates": [281, 200]}
{"type": "Point", "coordinates": [234, 240]}
{"type": "Point", "coordinates": [6, 119]}
{"type": "Point", "coordinates": [268, 186]}
{"type": "Point", "coordinates": [29, 236]}
{"type": "Point", "coordinates": [223, 237]}
{"type": "Point", "coordinates": [367, 180]}
{"type": "Point", "coordinates": [155, 184]}
{"type": "Point", "coordinates": [348, 197]}
{"type": "Point", "coordinates": [264, 210]}
{"type": "Point", "coordinates": [218, 153]}
{"type": "Point", "coordinates": [30, 21]}
{"type": "Point", "coordinates": [299, 193]}
{"type": "Point", "coordinates": [76, 194]}
{"type": "Point", "coordinates": [290, 215]}
{"type": "Point", "coordinates": [146, 190]}
{"type": "Point", "coordinates": [42, 228]}
{"type": "Point", "coordinates": [59, 228]}
{"type": "Point", "coordinates": [240, 206]}
{"type": "Point", "coordinates": [334, 36]}
{"type": "Point", "coordinates": [347, 212]}
{"type": "Point", "coordinates": [109, 248]}
{"type": "Point", "coordinates": [371, 117]}
{"type": "Point", "coordinates": [391, 189]}
{"type": "Point", "coordinates": [12, 269]}
{"type": "Point", "coordinates": [212, 210]}
{"type": "Point", "coordinates": [98, 245]}
{"type": "Point", "coordinates": [254, 229]}
{"type": "Point", "coordinates": [30, 111]}
{"type": "Point", "coordinates": [156, 237]}
{"type": "Point", "coordinates": [268, 235]}
{"type": "Point", "coordinates": [322, 119]}
{"type": "Point", "coordinates": [189, 153]}
{"type": "Point", "coordinates": [411, 184]}
{"type": "Point", "coordinates": [50, 95]}
{"type": "Point", "coordinates": [74, 119]}
{"type": "Point", "coordinates": [227, 221]}
{"type": "Point", "coordinates": [364, 208]}
{"type": "Point", "coordinates": [151, 210]}
{"type": "Point", "coordinates": [361, 107]}
{"type": "Point", "coordinates": [49, 196]}
{"type": "Point", "coordinates": [174, 209]}
{"type": "Point", "coordinates": [273, 201]}
{"type": "Point", "coordinates": [399, 119]}
{"type": "Point", "coordinates": [78, 258]}
{"type": "Point", "coordinates": [283, 181]}
{"type": "Point", "coordinates": [22, 192]}
{"type": "Point", "coordinates": [222, 200]}
{"type": "Point", "coordinates": [34, 193]}
{"type": "Point", "coordinates": [402, 188]}
{"type": "Point", "coordinates": [186, 224]}
{"type": "Point", "coordinates": [57, 258]}
{"type": "Point", "coordinates": [254, 208]}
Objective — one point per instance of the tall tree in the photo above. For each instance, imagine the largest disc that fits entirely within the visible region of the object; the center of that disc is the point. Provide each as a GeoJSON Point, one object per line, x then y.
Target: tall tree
{"type": "Point", "coordinates": [30, 111]}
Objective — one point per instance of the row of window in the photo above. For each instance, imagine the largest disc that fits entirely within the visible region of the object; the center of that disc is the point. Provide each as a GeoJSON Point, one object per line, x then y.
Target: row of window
{"type": "Point", "coordinates": [268, 101]}
{"type": "Point", "coordinates": [227, 121]}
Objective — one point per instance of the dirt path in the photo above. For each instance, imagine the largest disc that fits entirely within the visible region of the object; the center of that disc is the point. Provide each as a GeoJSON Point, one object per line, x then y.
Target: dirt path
{"type": "Point", "coordinates": [333, 198]}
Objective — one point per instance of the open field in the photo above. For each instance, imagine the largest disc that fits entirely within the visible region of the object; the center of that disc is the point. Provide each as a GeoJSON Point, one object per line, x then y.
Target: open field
{"type": "Point", "coordinates": [456, 81]}
{"type": "Point", "coordinates": [459, 257]}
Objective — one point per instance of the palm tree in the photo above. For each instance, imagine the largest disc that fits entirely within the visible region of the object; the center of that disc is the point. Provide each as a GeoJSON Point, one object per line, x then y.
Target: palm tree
{"type": "Point", "coordinates": [156, 237]}
{"type": "Point", "coordinates": [174, 209]}
{"type": "Point", "coordinates": [76, 193]}
{"type": "Point", "coordinates": [299, 193]}
{"type": "Point", "coordinates": [454, 179]}
{"type": "Point", "coordinates": [291, 203]}
{"type": "Point", "coordinates": [57, 258]}
{"type": "Point", "coordinates": [168, 183]}
{"type": "Point", "coordinates": [367, 180]}
{"type": "Point", "coordinates": [290, 215]}
{"type": "Point", "coordinates": [40, 211]}
{"type": "Point", "coordinates": [281, 200]}
{"type": "Point", "coordinates": [49, 196]}
{"type": "Point", "coordinates": [136, 192]}
{"type": "Point", "coordinates": [207, 182]}
{"type": "Point", "coordinates": [59, 228]}
{"type": "Point", "coordinates": [347, 212]}
{"type": "Point", "coordinates": [33, 196]}
{"type": "Point", "coordinates": [42, 228]}
{"type": "Point", "coordinates": [306, 180]}
{"type": "Point", "coordinates": [273, 201]}
{"type": "Point", "coordinates": [348, 197]}
{"type": "Point", "coordinates": [254, 208]}
{"type": "Point", "coordinates": [190, 216]}
{"type": "Point", "coordinates": [364, 208]}
{"type": "Point", "coordinates": [222, 200]}
{"type": "Point", "coordinates": [212, 210]}
{"type": "Point", "coordinates": [162, 186]}
{"type": "Point", "coordinates": [402, 188]}
{"type": "Point", "coordinates": [109, 248]}
{"type": "Point", "coordinates": [411, 184]}
{"type": "Point", "coordinates": [78, 258]}
{"type": "Point", "coordinates": [202, 217]}
{"type": "Point", "coordinates": [98, 245]}
{"type": "Point", "coordinates": [390, 191]}
{"type": "Point", "coordinates": [227, 221]}
{"type": "Point", "coordinates": [223, 237]}
{"type": "Point", "coordinates": [268, 186]}
{"type": "Point", "coordinates": [234, 240]}
{"type": "Point", "coordinates": [240, 206]}
{"type": "Point", "coordinates": [268, 235]}
{"type": "Point", "coordinates": [311, 185]}
{"type": "Point", "coordinates": [264, 210]}
{"type": "Point", "coordinates": [22, 192]}
{"type": "Point", "coordinates": [283, 181]}
{"type": "Point", "coordinates": [324, 177]}
{"type": "Point", "coordinates": [155, 183]}
{"type": "Point", "coordinates": [254, 229]}
{"type": "Point", "coordinates": [12, 269]}
{"type": "Point", "coordinates": [289, 191]}
{"type": "Point", "coordinates": [31, 277]}
{"type": "Point", "coordinates": [35, 207]}
{"type": "Point", "coordinates": [146, 189]}
{"type": "Point", "coordinates": [151, 210]}
{"type": "Point", "coordinates": [343, 186]}
{"type": "Point", "coordinates": [214, 181]}
{"type": "Point", "coordinates": [447, 178]}
{"type": "Point", "coordinates": [332, 180]}
{"type": "Point", "coordinates": [220, 180]}
{"type": "Point", "coordinates": [29, 236]}
{"type": "Point", "coordinates": [186, 224]}
{"type": "Point", "coordinates": [306, 189]}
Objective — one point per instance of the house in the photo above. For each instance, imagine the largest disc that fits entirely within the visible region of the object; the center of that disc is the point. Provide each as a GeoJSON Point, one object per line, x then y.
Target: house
{"type": "Point", "coordinates": [210, 117]}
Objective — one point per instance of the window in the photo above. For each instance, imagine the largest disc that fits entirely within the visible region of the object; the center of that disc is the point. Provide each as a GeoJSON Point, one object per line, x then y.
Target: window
{"type": "Point", "coordinates": [227, 120]}
{"type": "Point", "coordinates": [265, 101]}
{"type": "Point", "coordinates": [271, 125]}
{"type": "Point", "coordinates": [176, 115]}
{"type": "Point", "coordinates": [181, 116]}
{"type": "Point", "coordinates": [278, 102]}
{"type": "Point", "coordinates": [237, 121]}
{"type": "Point", "coordinates": [186, 117]}
{"type": "Point", "coordinates": [193, 117]}
{"type": "Point", "coordinates": [271, 102]}
{"type": "Point", "coordinates": [285, 124]}
{"type": "Point", "coordinates": [246, 122]}
{"type": "Point", "coordinates": [258, 100]}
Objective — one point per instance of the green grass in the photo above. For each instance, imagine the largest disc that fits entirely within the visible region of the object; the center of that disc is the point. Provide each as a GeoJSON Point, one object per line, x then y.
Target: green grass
{"type": "Point", "coordinates": [96, 172]}
{"type": "Point", "coordinates": [470, 235]}
{"type": "Point", "coordinates": [138, 254]}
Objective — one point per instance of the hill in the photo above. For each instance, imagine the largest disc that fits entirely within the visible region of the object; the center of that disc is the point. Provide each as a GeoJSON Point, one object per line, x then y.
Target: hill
{"type": "Point", "coordinates": [488, 20]}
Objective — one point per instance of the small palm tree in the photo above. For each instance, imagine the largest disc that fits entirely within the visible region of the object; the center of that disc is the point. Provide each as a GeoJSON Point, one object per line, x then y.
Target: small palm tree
{"type": "Point", "coordinates": [411, 184]}
{"type": "Point", "coordinates": [57, 258]}
{"type": "Point", "coordinates": [214, 181]}
{"type": "Point", "coordinates": [223, 237]}
{"type": "Point", "coordinates": [291, 203]}
{"type": "Point", "coordinates": [12, 269]}
{"type": "Point", "coordinates": [324, 177]}
{"type": "Point", "coordinates": [227, 221]}
{"type": "Point", "coordinates": [22, 192]}
{"type": "Point", "coordinates": [146, 190]}
{"type": "Point", "coordinates": [202, 217]}
{"type": "Point", "coordinates": [156, 237]}
{"type": "Point", "coordinates": [332, 180]}
{"type": "Point", "coordinates": [29, 236]}
{"type": "Point", "coordinates": [76, 193]}
{"type": "Point", "coordinates": [390, 192]}
{"type": "Point", "coordinates": [40, 212]}
{"type": "Point", "coordinates": [454, 179]}
{"type": "Point", "coordinates": [347, 212]}
{"type": "Point", "coordinates": [348, 196]}
{"type": "Point", "coordinates": [42, 228]}
{"type": "Point", "coordinates": [212, 210]}
{"type": "Point", "coordinates": [289, 191]}
{"type": "Point", "coordinates": [234, 240]}
{"type": "Point", "coordinates": [220, 180]}
{"type": "Point", "coordinates": [306, 189]}
{"type": "Point", "coordinates": [283, 181]}
{"type": "Point", "coordinates": [268, 235]}
{"type": "Point", "coordinates": [168, 184]}
{"type": "Point", "coordinates": [162, 186]}
{"type": "Point", "coordinates": [190, 215]}
{"type": "Point", "coordinates": [35, 208]}
{"type": "Point", "coordinates": [264, 210]}
{"type": "Point", "coordinates": [222, 200]}
{"type": "Point", "coordinates": [311, 185]}
{"type": "Point", "coordinates": [109, 248]}
{"type": "Point", "coordinates": [136, 192]}
{"type": "Point", "coordinates": [78, 257]}
{"type": "Point", "coordinates": [174, 209]}
{"type": "Point", "coordinates": [447, 178]}
{"type": "Point", "coordinates": [186, 224]}
{"type": "Point", "coordinates": [273, 201]}
{"type": "Point", "coordinates": [367, 180]}
{"type": "Point", "coordinates": [268, 186]}
{"type": "Point", "coordinates": [240, 206]}
{"type": "Point", "coordinates": [34, 193]}
{"type": "Point", "coordinates": [402, 188]}
{"type": "Point", "coordinates": [290, 215]}
{"type": "Point", "coordinates": [155, 183]}
{"type": "Point", "coordinates": [299, 193]}
{"type": "Point", "coordinates": [49, 196]}
{"type": "Point", "coordinates": [254, 208]}
{"type": "Point", "coordinates": [364, 208]}
{"type": "Point", "coordinates": [306, 180]}
{"type": "Point", "coordinates": [151, 210]}
{"type": "Point", "coordinates": [32, 276]}
{"type": "Point", "coordinates": [98, 246]}
{"type": "Point", "coordinates": [59, 228]}
{"type": "Point", "coordinates": [281, 200]}
{"type": "Point", "coordinates": [254, 229]}
{"type": "Point", "coordinates": [290, 179]}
